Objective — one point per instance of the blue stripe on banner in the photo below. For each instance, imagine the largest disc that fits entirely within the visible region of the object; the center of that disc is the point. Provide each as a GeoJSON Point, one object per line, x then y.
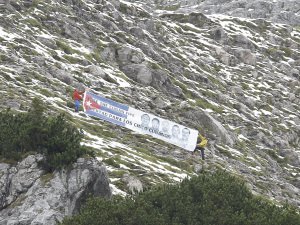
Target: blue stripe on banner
{"type": "Point", "coordinates": [93, 113]}
{"type": "Point", "coordinates": [110, 102]}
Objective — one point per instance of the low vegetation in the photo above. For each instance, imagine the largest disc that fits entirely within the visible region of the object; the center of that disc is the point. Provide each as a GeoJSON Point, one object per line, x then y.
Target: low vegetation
{"type": "Point", "coordinates": [54, 137]}
{"type": "Point", "coordinates": [211, 198]}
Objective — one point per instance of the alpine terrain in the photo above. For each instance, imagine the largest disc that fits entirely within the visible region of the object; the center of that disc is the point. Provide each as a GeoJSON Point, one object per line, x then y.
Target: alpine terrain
{"type": "Point", "coordinates": [228, 68]}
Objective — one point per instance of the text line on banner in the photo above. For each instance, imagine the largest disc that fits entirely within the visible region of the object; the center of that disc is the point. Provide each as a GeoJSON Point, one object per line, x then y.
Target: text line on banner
{"type": "Point", "coordinates": [139, 121]}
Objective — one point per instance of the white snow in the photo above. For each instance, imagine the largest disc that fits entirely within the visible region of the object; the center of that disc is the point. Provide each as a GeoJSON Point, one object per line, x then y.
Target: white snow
{"type": "Point", "coordinates": [257, 168]}
{"type": "Point", "coordinates": [234, 151]}
{"type": "Point", "coordinates": [116, 191]}
{"type": "Point", "coordinates": [122, 166]}
{"type": "Point", "coordinates": [8, 36]}
{"type": "Point", "coordinates": [44, 35]}
{"type": "Point", "coordinates": [81, 49]}
{"type": "Point", "coordinates": [256, 113]}
{"type": "Point", "coordinates": [265, 112]}
{"type": "Point", "coordinates": [41, 50]}
{"type": "Point", "coordinates": [242, 137]}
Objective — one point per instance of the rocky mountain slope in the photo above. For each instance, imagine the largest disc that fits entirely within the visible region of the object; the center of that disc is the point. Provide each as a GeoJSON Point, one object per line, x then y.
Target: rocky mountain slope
{"type": "Point", "coordinates": [278, 11]}
{"type": "Point", "coordinates": [235, 79]}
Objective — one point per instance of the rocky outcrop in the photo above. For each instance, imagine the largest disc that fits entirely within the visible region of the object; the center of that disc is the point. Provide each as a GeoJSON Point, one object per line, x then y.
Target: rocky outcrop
{"type": "Point", "coordinates": [279, 11]}
{"type": "Point", "coordinates": [210, 126]}
{"type": "Point", "coordinates": [245, 56]}
{"type": "Point", "coordinates": [29, 195]}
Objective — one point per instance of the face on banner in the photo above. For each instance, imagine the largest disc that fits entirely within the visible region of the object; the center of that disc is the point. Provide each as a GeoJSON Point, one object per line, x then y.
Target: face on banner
{"type": "Point", "coordinates": [140, 121]}
{"type": "Point", "coordinates": [145, 120]}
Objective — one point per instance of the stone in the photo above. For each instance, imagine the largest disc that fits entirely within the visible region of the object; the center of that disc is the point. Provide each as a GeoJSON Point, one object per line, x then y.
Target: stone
{"type": "Point", "coordinates": [133, 183]}
{"type": "Point", "coordinates": [32, 196]}
{"type": "Point", "coordinates": [243, 42]}
{"type": "Point", "coordinates": [61, 75]}
{"type": "Point", "coordinates": [160, 103]}
{"type": "Point", "coordinates": [95, 71]}
{"type": "Point", "coordinates": [245, 56]}
{"type": "Point", "coordinates": [295, 73]}
{"type": "Point", "coordinates": [219, 34]}
{"type": "Point", "coordinates": [223, 56]}
{"type": "Point", "coordinates": [210, 126]}
{"type": "Point", "coordinates": [128, 55]}
{"type": "Point", "coordinates": [198, 167]}
{"type": "Point", "coordinates": [291, 155]}
{"type": "Point", "coordinates": [144, 75]}
{"type": "Point", "coordinates": [139, 72]}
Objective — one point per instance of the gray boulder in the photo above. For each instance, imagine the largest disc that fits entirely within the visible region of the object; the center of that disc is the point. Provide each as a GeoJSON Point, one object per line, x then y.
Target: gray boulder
{"type": "Point", "coordinates": [219, 34]}
{"type": "Point", "coordinates": [29, 195]}
{"type": "Point", "coordinates": [243, 42]}
{"type": "Point", "coordinates": [291, 155]}
{"type": "Point", "coordinates": [211, 126]}
{"type": "Point", "coordinates": [138, 72]}
{"type": "Point", "coordinates": [61, 75]}
{"type": "Point", "coordinates": [223, 56]}
{"type": "Point", "coordinates": [245, 56]}
{"type": "Point", "coordinates": [127, 55]}
{"type": "Point", "coordinates": [295, 73]}
{"type": "Point", "coordinates": [95, 71]}
{"type": "Point", "coordinates": [133, 183]}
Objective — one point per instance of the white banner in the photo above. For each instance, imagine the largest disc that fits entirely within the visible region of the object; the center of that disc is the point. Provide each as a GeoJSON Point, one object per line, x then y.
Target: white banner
{"type": "Point", "coordinates": [139, 121]}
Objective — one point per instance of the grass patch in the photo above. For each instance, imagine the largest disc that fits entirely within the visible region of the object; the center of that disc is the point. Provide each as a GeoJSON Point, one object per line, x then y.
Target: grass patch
{"type": "Point", "coordinates": [245, 86]}
{"type": "Point", "coordinates": [169, 7]}
{"type": "Point", "coordinates": [121, 185]}
{"type": "Point", "coordinates": [117, 173]}
{"type": "Point", "coordinates": [155, 66]}
{"type": "Point", "coordinates": [113, 161]}
{"type": "Point", "coordinates": [34, 22]}
{"type": "Point", "coordinates": [178, 163]}
{"type": "Point", "coordinates": [287, 51]}
{"type": "Point", "coordinates": [65, 47]}
{"type": "Point", "coordinates": [181, 85]}
{"type": "Point", "coordinates": [4, 58]}
{"type": "Point", "coordinates": [46, 92]}
{"type": "Point", "coordinates": [206, 105]}
{"type": "Point", "coordinates": [72, 59]}
{"type": "Point", "coordinates": [35, 3]}
{"type": "Point", "coordinates": [223, 151]}
{"type": "Point", "coordinates": [273, 154]}
{"type": "Point", "coordinates": [39, 77]}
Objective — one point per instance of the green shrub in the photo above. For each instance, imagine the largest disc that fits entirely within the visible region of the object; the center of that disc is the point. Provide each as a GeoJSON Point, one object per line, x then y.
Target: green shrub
{"type": "Point", "coordinates": [11, 135]}
{"type": "Point", "coordinates": [219, 199]}
{"type": "Point", "coordinates": [62, 146]}
{"type": "Point", "coordinates": [54, 137]}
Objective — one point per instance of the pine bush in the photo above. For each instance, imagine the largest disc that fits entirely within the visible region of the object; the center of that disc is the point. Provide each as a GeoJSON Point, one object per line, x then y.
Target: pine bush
{"type": "Point", "coordinates": [54, 137]}
{"type": "Point", "coordinates": [208, 199]}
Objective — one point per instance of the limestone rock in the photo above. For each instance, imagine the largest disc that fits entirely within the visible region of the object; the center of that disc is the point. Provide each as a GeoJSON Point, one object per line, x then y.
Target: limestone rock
{"type": "Point", "coordinates": [61, 75]}
{"type": "Point", "coordinates": [219, 34]}
{"type": "Point", "coordinates": [139, 72]}
{"type": "Point", "coordinates": [210, 125]}
{"type": "Point", "coordinates": [96, 71]}
{"type": "Point", "coordinates": [31, 196]}
{"type": "Point", "coordinates": [133, 183]}
{"type": "Point", "coordinates": [223, 56]}
{"type": "Point", "coordinates": [245, 56]}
